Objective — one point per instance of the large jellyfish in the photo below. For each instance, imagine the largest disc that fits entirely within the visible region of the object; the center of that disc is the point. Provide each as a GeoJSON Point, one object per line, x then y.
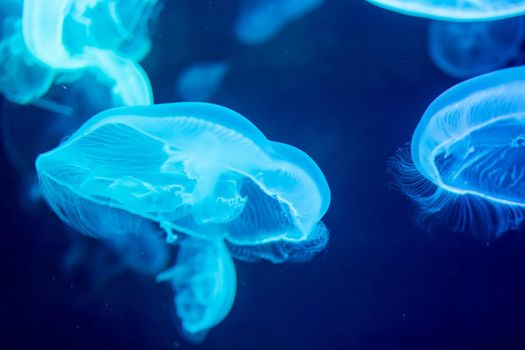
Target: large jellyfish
{"type": "Point", "coordinates": [260, 20]}
{"type": "Point", "coordinates": [207, 176]}
{"type": "Point", "coordinates": [464, 50]}
{"type": "Point", "coordinates": [456, 10]}
{"type": "Point", "coordinates": [97, 35]}
{"type": "Point", "coordinates": [467, 154]}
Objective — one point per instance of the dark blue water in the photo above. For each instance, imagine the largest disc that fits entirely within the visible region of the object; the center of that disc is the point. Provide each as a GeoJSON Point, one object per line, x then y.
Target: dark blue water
{"type": "Point", "coordinates": [347, 84]}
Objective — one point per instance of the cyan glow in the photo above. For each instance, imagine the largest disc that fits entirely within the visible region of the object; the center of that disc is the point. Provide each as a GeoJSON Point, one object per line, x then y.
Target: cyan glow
{"type": "Point", "coordinates": [464, 50]}
{"type": "Point", "coordinates": [469, 145]}
{"type": "Point", "coordinates": [260, 20]}
{"type": "Point", "coordinates": [204, 281]}
{"type": "Point", "coordinates": [200, 81]}
{"type": "Point", "coordinates": [22, 78]}
{"type": "Point", "coordinates": [456, 10]}
{"type": "Point", "coordinates": [92, 34]}
{"type": "Point", "coordinates": [203, 173]}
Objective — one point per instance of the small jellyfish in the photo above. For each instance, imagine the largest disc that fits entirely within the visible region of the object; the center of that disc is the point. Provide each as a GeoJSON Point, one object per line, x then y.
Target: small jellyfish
{"type": "Point", "coordinates": [260, 20]}
{"type": "Point", "coordinates": [466, 163]}
{"type": "Point", "coordinates": [204, 281]}
{"type": "Point", "coordinates": [200, 81]}
{"type": "Point", "coordinates": [456, 10]}
{"type": "Point", "coordinates": [464, 50]}
{"type": "Point", "coordinates": [202, 172]}
{"type": "Point", "coordinates": [68, 36]}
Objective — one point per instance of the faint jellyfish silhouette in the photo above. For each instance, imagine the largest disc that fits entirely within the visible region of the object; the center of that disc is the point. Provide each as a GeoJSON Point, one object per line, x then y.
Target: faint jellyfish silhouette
{"type": "Point", "coordinates": [463, 50]}
{"type": "Point", "coordinates": [199, 170]}
{"type": "Point", "coordinates": [260, 20]}
{"type": "Point", "coordinates": [204, 281]}
{"type": "Point", "coordinates": [455, 10]}
{"type": "Point", "coordinates": [466, 156]}
{"type": "Point", "coordinates": [22, 78]}
{"type": "Point", "coordinates": [200, 81]}
{"type": "Point", "coordinates": [67, 36]}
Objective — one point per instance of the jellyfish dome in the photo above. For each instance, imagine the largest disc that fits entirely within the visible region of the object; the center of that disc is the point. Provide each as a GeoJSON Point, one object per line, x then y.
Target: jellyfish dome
{"type": "Point", "coordinates": [260, 20]}
{"type": "Point", "coordinates": [202, 172]}
{"type": "Point", "coordinates": [456, 10]}
{"type": "Point", "coordinates": [467, 154]}
{"type": "Point", "coordinates": [200, 81]}
{"type": "Point", "coordinates": [464, 50]}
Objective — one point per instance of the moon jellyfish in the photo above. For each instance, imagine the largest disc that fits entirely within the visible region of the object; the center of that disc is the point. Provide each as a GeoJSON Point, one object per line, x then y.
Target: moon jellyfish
{"type": "Point", "coordinates": [75, 35]}
{"type": "Point", "coordinates": [260, 20]}
{"type": "Point", "coordinates": [456, 10]}
{"type": "Point", "coordinates": [22, 78]}
{"type": "Point", "coordinates": [467, 154]}
{"type": "Point", "coordinates": [200, 81]}
{"type": "Point", "coordinates": [207, 176]}
{"type": "Point", "coordinates": [464, 50]}
{"type": "Point", "coordinates": [204, 281]}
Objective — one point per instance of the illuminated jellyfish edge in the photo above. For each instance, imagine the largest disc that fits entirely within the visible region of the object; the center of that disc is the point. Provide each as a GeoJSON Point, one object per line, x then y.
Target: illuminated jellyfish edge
{"type": "Point", "coordinates": [417, 10]}
{"type": "Point", "coordinates": [484, 216]}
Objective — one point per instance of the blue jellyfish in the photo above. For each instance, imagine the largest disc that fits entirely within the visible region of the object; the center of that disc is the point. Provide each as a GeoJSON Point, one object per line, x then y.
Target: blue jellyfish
{"type": "Point", "coordinates": [464, 50]}
{"type": "Point", "coordinates": [466, 155]}
{"type": "Point", "coordinates": [260, 20]}
{"type": "Point", "coordinates": [22, 78]}
{"type": "Point", "coordinates": [68, 36]}
{"type": "Point", "coordinates": [456, 10]}
{"type": "Point", "coordinates": [200, 81]}
{"type": "Point", "coordinates": [204, 281]}
{"type": "Point", "coordinates": [207, 176]}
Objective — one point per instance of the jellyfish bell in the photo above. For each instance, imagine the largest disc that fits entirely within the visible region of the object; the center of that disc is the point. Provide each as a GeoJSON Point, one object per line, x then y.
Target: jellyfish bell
{"type": "Point", "coordinates": [195, 168]}
{"type": "Point", "coordinates": [260, 20]}
{"type": "Point", "coordinates": [455, 10]}
{"type": "Point", "coordinates": [464, 50]}
{"type": "Point", "coordinates": [466, 155]}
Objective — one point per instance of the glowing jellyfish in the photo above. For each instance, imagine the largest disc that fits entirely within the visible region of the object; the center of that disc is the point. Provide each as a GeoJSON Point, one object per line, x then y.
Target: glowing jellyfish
{"type": "Point", "coordinates": [203, 173]}
{"type": "Point", "coordinates": [456, 10]}
{"type": "Point", "coordinates": [74, 35]}
{"type": "Point", "coordinates": [200, 81]}
{"type": "Point", "coordinates": [467, 154]}
{"type": "Point", "coordinates": [204, 281]}
{"type": "Point", "coordinates": [464, 50]}
{"type": "Point", "coordinates": [260, 20]}
{"type": "Point", "coordinates": [22, 78]}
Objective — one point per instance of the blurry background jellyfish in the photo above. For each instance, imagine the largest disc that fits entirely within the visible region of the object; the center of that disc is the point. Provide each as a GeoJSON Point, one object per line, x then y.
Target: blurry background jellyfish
{"type": "Point", "coordinates": [464, 50]}
{"type": "Point", "coordinates": [200, 81]}
{"type": "Point", "coordinates": [466, 160]}
{"type": "Point", "coordinates": [455, 10]}
{"type": "Point", "coordinates": [259, 20]}
{"type": "Point", "coordinates": [208, 177]}
{"type": "Point", "coordinates": [105, 37]}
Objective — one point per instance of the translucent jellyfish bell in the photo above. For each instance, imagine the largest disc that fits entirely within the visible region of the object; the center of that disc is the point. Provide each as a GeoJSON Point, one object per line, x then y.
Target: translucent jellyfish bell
{"type": "Point", "coordinates": [260, 20]}
{"type": "Point", "coordinates": [204, 281]}
{"type": "Point", "coordinates": [195, 168]}
{"type": "Point", "coordinates": [456, 10]}
{"type": "Point", "coordinates": [200, 81]}
{"type": "Point", "coordinates": [467, 154]}
{"type": "Point", "coordinates": [463, 50]}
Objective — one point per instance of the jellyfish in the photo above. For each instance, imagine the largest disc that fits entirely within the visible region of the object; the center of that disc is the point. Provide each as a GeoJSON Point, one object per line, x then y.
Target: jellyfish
{"type": "Point", "coordinates": [206, 176]}
{"type": "Point", "coordinates": [77, 35]}
{"type": "Point", "coordinates": [456, 10]}
{"type": "Point", "coordinates": [466, 157]}
{"type": "Point", "coordinates": [260, 20]}
{"type": "Point", "coordinates": [204, 281]}
{"type": "Point", "coordinates": [464, 50]}
{"type": "Point", "coordinates": [22, 78]}
{"type": "Point", "coordinates": [200, 81]}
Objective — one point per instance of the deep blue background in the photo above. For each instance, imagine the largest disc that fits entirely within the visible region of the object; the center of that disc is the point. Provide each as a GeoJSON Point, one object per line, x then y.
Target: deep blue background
{"type": "Point", "coordinates": [347, 84]}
